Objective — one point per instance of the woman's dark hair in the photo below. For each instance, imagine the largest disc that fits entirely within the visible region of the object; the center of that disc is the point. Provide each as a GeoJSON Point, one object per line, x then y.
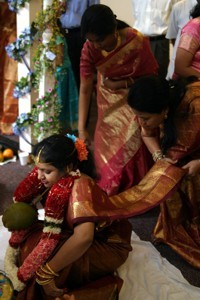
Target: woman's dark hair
{"type": "Point", "coordinates": [195, 12]}
{"type": "Point", "coordinates": [100, 20]}
{"type": "Point", "coordinates": [152, 94]}
{"type": "Point", "coordinates": [60, 151]}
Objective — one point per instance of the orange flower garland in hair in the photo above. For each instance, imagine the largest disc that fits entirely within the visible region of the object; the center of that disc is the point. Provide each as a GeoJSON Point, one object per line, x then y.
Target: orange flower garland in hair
{"type": "Point", "coordinates": [80, 147]}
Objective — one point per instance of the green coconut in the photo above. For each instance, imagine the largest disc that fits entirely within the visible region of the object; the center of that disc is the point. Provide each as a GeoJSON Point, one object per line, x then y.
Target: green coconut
{"type": "Point", "coordinates": [19, 215]}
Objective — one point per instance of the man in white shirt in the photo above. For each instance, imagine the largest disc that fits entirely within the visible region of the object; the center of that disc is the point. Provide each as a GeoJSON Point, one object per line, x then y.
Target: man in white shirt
{"type": "Point", "coordinates": [151, 17]}
{"type": "Point", "coordinates": [180, 15]}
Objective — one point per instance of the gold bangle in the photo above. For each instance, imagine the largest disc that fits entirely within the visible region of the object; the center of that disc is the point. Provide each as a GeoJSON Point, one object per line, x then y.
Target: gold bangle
{"type": "Point", "coordinates": [50, 269]}
{"type": "Point", "coordinates": [44, 271]}
{"type": "Point", "coordinates": [43, 274]}
{"type": "Point", "coordinates": [43, 282]}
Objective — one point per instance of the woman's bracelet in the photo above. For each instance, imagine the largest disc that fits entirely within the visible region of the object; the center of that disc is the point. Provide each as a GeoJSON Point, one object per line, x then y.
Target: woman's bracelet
{"type": "Point", "coordinates": [157, 155]}
{"type": "Point", "coordinates": [45, 274]}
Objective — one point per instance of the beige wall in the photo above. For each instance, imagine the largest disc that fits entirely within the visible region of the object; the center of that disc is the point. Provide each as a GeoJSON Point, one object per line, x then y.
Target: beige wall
{"type": "Point", "coordinates": [122, 9]}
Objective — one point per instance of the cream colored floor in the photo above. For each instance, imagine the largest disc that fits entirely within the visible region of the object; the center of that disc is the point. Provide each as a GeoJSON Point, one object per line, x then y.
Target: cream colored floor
{"type": "Point", "coordinates": [146, 275]}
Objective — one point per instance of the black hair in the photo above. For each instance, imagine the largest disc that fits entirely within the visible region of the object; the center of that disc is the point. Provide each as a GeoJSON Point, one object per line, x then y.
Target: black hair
{"type": "Point", "coordinates": [153, 95]}
{"type": "Point", "coordinates": [59, 151]}
{"type": "Point", "coordinates": [195, 12]}
{"type": "Point", "coordinates": [100, 20]}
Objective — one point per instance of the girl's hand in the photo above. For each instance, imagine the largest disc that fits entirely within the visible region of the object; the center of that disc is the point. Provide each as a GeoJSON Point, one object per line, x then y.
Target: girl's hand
{"type": "Point", "coordinates": [193, 167]}
{"type": "Point", "coordinates": [50, 289]}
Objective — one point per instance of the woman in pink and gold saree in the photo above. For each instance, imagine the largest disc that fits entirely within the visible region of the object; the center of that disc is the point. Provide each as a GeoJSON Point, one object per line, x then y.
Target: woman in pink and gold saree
{"type": "Point", "coordinates": [178, 142]}
{"type": "Point", "coordinates": [119, 54]}
{"type": "Point", "coordinates": [187, 62]}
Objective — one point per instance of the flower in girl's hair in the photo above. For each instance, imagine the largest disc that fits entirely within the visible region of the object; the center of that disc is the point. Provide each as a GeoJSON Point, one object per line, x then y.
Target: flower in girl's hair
{"type": "Point", "coordinates": [81, 149]}
{"type": "Point", "coordinates": [80, 146]}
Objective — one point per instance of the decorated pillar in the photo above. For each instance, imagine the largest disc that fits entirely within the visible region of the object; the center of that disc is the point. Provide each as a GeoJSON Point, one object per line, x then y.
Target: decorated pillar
{"type": "Point", "coordinates": [25, 17]}
{"type": "Point", "coordinates": [37, 50]}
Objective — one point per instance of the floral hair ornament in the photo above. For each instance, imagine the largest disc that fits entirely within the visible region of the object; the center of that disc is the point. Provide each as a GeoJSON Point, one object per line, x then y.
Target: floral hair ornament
{"type": "Point", "coordinates": [80, 146]}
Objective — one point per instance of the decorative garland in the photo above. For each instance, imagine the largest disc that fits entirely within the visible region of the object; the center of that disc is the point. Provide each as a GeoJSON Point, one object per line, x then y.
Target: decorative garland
{"type": "Point", "coordinates": [22, 87]}
{"type": "Point", "coordinates": [18, 49]}
{"type": "Point", "coordinates": [46, 104]}
{"type": "Point", "coordinates": [15, 5]}
{"type": "Point", "coordinates": [47, 57]}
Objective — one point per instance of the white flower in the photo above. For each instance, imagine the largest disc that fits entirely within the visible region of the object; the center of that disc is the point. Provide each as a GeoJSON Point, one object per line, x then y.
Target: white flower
{"type": "Point", "coordinates": [46, 36]}
{"type": "Point", "coordinates": [11, 269]}
{"type": "Point", "coordinates": [50, 55]}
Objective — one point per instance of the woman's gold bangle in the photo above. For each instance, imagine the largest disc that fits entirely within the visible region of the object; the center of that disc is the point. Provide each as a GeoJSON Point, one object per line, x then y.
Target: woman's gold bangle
{"type": "Point", "coordinates": [43, 282]}
{"type": "Point", "coordinates": [50, 269]}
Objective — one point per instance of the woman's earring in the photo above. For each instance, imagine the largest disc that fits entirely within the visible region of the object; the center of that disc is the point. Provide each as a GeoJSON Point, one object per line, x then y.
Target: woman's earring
{"type": "Point", "coordinates": [67, 169]}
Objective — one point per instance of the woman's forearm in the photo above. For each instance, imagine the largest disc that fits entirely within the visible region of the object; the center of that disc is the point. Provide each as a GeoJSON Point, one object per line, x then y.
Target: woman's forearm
{"type": "Point", "coordinates": [151, 139]}
{"type": "Point", "coordinates": [152, 143]}
{"type": "Point", "coordinates": [86, 89]}
{"type": "Point", "coordinates": [183, 64]}
{"type": "Point", "coordinates": [74, 247]}
{"type": "Point", "coordinates": [186, 71]}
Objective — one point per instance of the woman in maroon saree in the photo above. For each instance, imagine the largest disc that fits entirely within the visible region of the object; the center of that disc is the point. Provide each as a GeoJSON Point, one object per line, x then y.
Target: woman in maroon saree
{"type": "Point", "coordinates": [119, 54]}
{"type": "Point", "coordinates": [171, 131]}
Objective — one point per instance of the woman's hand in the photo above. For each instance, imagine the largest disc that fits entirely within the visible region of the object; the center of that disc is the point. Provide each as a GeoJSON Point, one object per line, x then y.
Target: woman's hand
{"type": "Point", "coordinates": [118, 84]}
{"type": "Point", "coordinates": [115, 84]}
{"type": "Point", "coordinates": [84, 135]}
{"type": "Point", "coordinates": [171, 161]}
{"type": "Point", "coordinates": [51, 289]}
{"type": "Point", "coordinates": [66, 297]}
{"type": "Point", "coordinates": [110, 84]}
{"type": "Point", "coordinates": [193, 167]}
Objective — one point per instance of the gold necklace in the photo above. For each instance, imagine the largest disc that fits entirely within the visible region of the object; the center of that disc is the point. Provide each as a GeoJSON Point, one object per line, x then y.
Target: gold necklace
{"type": "Point", "coordinates": [106, 53]}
